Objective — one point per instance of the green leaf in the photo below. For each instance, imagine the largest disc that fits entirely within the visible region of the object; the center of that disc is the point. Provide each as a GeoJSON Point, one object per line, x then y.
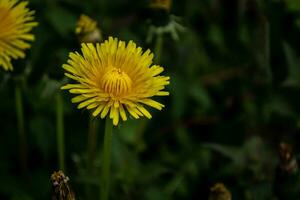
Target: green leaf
{"type": "Point", "coordinates": [201, 96]}
{"type": "Point", "coordinates": [233, 153]}
{"type": "Point", "coordinates": [293, 5]}
{"type": "Point", "coordinates": [178, 92]}
{"type": "Point", "coordinates": [293, 77]}
{"type": "Point", "coordinates": [155, 194]}
{"type": "Point", "coordinates": [44, 134]}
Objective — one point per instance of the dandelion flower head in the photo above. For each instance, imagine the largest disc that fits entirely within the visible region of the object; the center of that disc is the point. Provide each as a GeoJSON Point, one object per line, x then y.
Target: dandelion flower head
{"type": "Point", "coordinates": [114, 79]}
{"type": "Point", "coordinates": [87, 30]}
{"type": "Point", "coordinates": [16, 22]}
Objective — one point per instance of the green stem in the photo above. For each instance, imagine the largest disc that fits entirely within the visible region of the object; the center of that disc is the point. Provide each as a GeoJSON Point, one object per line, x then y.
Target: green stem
{"type": "Point", "coordinates": [60, 132]}
{"type": "Point", "coordinates": [106, 159]}
{"type": "Point", "coordinates": [21, 130]}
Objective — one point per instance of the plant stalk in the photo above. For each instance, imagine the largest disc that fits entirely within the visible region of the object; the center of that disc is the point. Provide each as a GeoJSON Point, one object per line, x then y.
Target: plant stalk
{"type": "Point", "coordinates": [105, 181]}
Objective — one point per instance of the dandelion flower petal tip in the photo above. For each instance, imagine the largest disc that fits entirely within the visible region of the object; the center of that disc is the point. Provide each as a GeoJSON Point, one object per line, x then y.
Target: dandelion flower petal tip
{"type": "Point", "coordinates": [115, 80]}
{"type": "Point", "coordinates": [16, 23]}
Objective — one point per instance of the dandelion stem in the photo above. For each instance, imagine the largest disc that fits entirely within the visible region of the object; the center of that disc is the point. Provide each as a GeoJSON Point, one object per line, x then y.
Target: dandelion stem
{"type": "Point", "coordinates": [106, 159]}
{"type": "Point", "coordinates": [21, 130]}
{"type": "Point", "coordinates": [60, 132]}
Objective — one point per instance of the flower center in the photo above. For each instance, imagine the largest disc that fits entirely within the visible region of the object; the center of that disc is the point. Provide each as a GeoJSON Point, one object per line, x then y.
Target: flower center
{"type": "Point", "coordinates": [116, 82]}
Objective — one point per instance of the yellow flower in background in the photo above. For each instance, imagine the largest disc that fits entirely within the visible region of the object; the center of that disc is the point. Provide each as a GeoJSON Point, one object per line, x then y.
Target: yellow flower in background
{"type": "Point", "coordinates": [16, 22]}
{"type": "Point", "coordinates": [87, 30]}
{"type": "Point", "coordinates": [114, 79]}
{"type": "Point", "coordinates": [161, 4]}
{"type": "Point", "coordinates": [85, 25]}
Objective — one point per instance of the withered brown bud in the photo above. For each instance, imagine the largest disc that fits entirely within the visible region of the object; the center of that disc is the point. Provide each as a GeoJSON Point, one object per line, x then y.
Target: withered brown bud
{"type": "Point", "coordinates": [61, 188]}
{"type": "Point", "coordinates": [288, 162]}
{"type": "Point", "coordinates": [219, 192]}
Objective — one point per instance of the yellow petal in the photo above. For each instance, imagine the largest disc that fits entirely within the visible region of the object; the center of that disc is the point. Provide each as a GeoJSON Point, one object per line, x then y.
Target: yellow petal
{"type": "Point", "coordinates": [144, 111]}
{"type": "Point", "coordinates": [105, 111]}
{"type": "Point", "coordinates": [98, 110]}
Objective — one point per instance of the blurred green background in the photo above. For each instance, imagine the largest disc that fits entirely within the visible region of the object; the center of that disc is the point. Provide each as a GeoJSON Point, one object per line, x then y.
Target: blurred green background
{"type": "Point", "coordinates": [234, 95]}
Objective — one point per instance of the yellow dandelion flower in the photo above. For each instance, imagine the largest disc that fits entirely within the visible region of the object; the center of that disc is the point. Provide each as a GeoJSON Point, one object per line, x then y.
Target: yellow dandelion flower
{"type": "Point", "coordinates": [115, 79]}
{"type": "Point", "coordinates": [87, 30]}
{"type": "Point", "coordinates": [16, 22]}
{"type": "Point", "coordinates": [161, 4]}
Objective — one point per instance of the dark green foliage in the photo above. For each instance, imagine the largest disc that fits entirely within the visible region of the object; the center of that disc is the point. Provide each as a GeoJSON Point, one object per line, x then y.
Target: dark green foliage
{"type": "Point", "coordinates": [234, 95]}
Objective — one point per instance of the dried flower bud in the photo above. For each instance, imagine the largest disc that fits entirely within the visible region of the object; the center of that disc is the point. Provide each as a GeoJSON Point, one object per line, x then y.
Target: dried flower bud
{"type": "Point", "coordinates": [219, 192]}
{"type": "Point", "coordinates": [61, 188]}
{"type": "Point", "coordinates": [288, 162]}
